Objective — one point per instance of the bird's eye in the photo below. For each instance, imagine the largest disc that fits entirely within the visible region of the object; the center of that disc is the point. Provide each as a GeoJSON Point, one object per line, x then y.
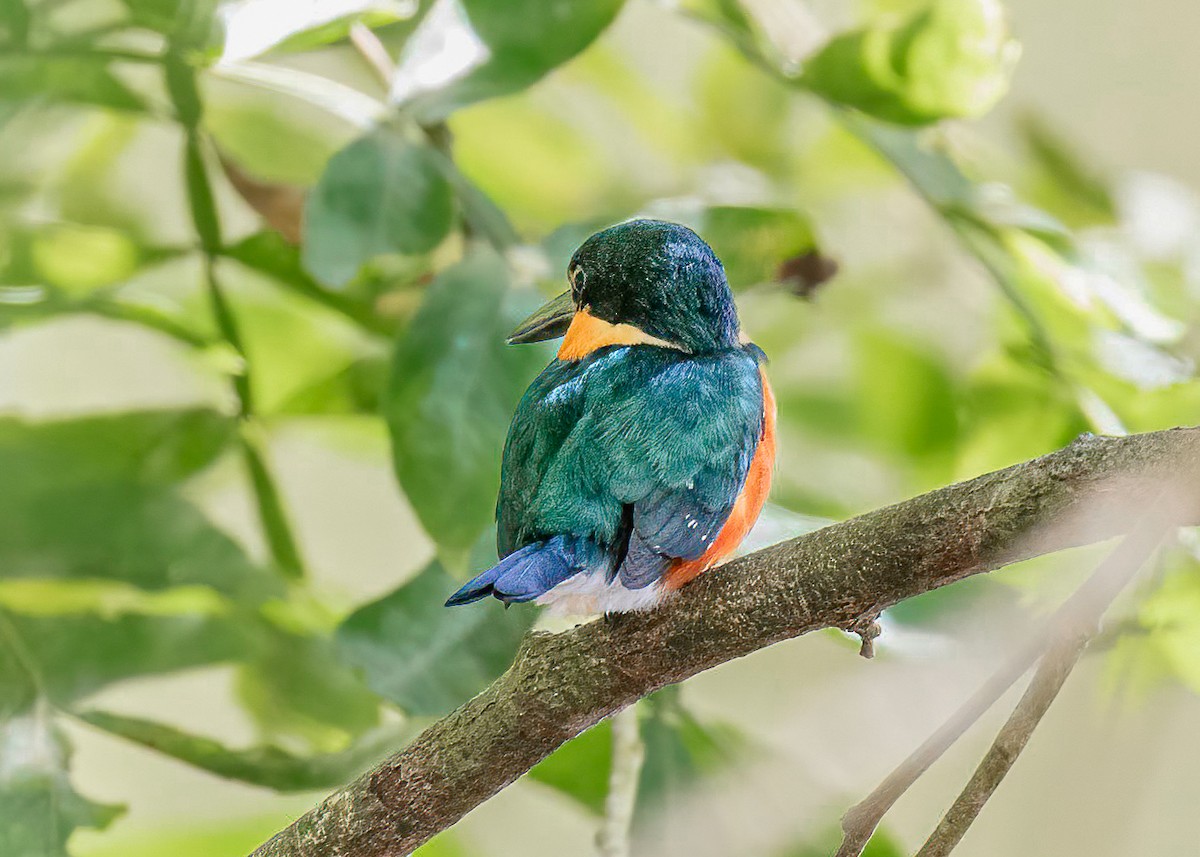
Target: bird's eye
{"type": "Point", "coordinates": [578, 278]}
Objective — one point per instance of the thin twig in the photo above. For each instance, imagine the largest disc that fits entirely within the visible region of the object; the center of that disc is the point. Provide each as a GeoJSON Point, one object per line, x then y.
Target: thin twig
{"type": "Point", "coordinates": [1047, 682]}
{"type": "Point", "coordinates": [21, 656]}
{"type": "Point", "coordinates": [185, 98]}
{"type": "Point", "coordinates": [1086, 604]}
{"type": "Point", "coordinates": [628, 752]}
{"type": "Point", "coordinates": [1118, 569]}
{"type": "Point", "coordinates": [373, 52]}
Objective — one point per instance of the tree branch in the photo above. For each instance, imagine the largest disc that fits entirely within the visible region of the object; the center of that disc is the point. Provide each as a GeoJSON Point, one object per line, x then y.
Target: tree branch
{"type": "Point", "coordinates": [841, 576]}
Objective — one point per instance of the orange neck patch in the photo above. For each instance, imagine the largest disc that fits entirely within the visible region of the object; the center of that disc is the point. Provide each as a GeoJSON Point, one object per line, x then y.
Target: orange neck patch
{"type": "Point", "coordinates": [587, 333]}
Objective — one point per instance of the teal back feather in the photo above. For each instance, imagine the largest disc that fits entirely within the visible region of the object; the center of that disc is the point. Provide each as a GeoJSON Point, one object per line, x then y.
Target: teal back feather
{"type": "Point", "coordinates": [668, 433]}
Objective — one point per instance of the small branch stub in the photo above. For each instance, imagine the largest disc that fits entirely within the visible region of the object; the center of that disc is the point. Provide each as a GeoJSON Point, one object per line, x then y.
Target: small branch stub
{"type": "Point", "coordinates": [868, 630]}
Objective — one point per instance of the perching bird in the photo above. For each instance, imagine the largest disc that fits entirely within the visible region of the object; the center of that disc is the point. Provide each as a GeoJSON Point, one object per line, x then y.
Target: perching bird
{"type": "Point", "coordinates": [642, 455]}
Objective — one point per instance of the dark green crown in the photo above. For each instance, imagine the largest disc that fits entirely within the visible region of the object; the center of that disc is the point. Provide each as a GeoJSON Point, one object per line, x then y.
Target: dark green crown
{"type": "Point", "coordinates": [660, 277]}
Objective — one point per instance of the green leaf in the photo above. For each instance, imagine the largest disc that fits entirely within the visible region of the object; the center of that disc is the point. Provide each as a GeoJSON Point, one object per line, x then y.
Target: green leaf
{"type": "Point", "coordinates": [96, 498]}
{"type": "Point", "coordinates": [77, 654]}
{"type": "Point", "coordinates": [1076, 184]}
{"type": "Point", "coordinates": [496, 48]}
{"type": "Point", "coordinates": [269, 253]}
{"type": "Point", "coordinates": [580, 768]}
{"type": "Point", "coordinates": [39, 809]}
{"type": "Point", "coordinates": [79, 259]}
{"type": "Point", "coordinates": [932, 173]}
{"type": "Point", "coordinates": [755, 243]}
{"type": "Point", "coordinates": [148, 447]}
{"type": "Point", "coordinates": [1018, 245]}
{"type": "Point", "coordinates": [269, 766]}
{"type": "Point", "coordinates": [679, 752]}
{"type": "Point", "coordinates": [78, 79]}
{"type": "Point", "coordinates": [19, 690]}
{"type": "Point", "coordinates": [147, 536]}
{"type": "Point", "coordinates": [14, 22]}
{"type": "Point", "coordinates": [454, 386]}
{"type": "Point", "coordinates": [997, 209]}
{"type": "Point", "coordinates": [952, 59]}
{"type": "Point", "coordinates": [908, 399]}
{"type": "Point", "coordinates": [299, 687]}
{"type": "Point", "coordinates": [726, 15]}
{"type": "Point", "coordinates": [380, 194]}
{"type": "Point", "coordinates": [190, 23]}
{"type": "Point", "coordinates": [426, 658]}
{"type": "Point", "coordinates": [353, 389]}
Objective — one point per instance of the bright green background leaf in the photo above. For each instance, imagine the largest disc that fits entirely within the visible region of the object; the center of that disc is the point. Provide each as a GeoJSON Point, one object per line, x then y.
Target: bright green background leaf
{"type": "Point", "coordinates": [454, 385]}
{"type": "Point", "coordinates": [93, 498]}
{"type": "Point", "coordinates": [422, 656]}
{"type": "Point", "coordinates": [269, 765]}
{"type": "Point", "coordinates": [39, 809]}
{"type": "Point", "coordinates": [515, 44]}
{"type": "Point", "coordinates": [80, 79]}
{"type": "Point", "coordinates": [949, 60]}
{"type": "Point", "coordinates": [381, 194]}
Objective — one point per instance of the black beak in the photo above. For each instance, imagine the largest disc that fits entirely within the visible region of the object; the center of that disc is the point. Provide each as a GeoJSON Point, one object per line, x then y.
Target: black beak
{"type": "Point", "coordinates": [549, 322]}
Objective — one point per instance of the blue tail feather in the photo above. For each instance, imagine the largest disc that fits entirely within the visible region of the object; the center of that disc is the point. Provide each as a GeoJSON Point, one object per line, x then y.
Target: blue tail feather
{"type": "Point", "coordinates": [524, 574]}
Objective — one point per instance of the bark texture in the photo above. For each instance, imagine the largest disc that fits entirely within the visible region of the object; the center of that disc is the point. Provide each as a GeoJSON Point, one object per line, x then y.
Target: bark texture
{"type": "Point", "coordinates": [841, 576]}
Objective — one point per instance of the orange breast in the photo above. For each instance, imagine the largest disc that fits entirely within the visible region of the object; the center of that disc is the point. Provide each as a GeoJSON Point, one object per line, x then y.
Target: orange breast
{"type": "Point", "coordinates": [746, 508]}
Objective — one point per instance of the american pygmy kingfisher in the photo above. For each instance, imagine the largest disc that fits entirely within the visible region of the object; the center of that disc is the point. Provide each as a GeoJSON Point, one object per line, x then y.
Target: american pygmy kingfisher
{"type": "Point", "coordinates": [642, 454]}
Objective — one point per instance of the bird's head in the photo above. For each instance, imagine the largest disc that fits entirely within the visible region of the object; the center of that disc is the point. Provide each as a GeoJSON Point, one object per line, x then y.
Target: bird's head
{"type": "Point", "coordinates": [639, 282]}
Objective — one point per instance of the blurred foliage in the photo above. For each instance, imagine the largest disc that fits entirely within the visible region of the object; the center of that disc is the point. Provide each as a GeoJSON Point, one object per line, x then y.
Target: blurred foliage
{"type": "Point", "coordinates": [951, 58]}
{"type": "Point", "coordinates": [324, 246]}
{"type": "Point", "coordinates": [680, 753]}
{"type": "Point", "coordinates": [380, 194]}
{"type": "Point", "coordinates": [413, 654]}
{"type": "Point", "coordinates": [454, 386]}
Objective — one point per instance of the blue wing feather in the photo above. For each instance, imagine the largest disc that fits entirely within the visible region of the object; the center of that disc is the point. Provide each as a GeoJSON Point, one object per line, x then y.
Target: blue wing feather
{"type": "Point", "coordinates": [642, 564]}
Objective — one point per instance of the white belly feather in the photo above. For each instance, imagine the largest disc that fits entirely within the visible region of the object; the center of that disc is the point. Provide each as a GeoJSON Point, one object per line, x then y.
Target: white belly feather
{"type": "Point", "coordinates": [589, 593]}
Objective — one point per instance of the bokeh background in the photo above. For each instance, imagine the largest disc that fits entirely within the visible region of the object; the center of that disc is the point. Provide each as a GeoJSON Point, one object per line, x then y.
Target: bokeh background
{"type": "Point", "coordinates": [256, 264]}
